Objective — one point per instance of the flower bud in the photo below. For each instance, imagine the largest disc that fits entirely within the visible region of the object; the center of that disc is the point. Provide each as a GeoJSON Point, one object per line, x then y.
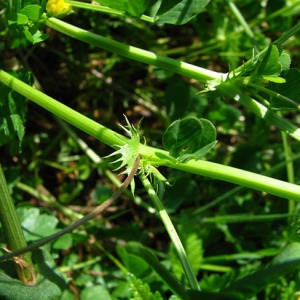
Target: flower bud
{"type": "Point", "coordinates": [58, 8]}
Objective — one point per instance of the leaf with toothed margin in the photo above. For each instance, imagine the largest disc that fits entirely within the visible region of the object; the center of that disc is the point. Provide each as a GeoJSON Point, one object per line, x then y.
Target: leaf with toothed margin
{"type": "Point", "coordinates": [129, 152]}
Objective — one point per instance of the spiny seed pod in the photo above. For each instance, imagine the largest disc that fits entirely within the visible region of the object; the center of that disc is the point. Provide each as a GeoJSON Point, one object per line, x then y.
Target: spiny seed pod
{"type": "Point", "coordinates": [58, 8]}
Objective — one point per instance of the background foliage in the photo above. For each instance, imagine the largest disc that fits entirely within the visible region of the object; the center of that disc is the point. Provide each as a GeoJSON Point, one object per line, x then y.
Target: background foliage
{"type": "Point", "coordinates": [228, 232]}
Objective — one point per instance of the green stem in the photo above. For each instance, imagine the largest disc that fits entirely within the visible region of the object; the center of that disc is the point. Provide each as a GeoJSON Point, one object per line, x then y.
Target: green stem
{"type": "Point", "coordinates": [240, 18]}
{"type": "Point", "coordinates": [229, 195]}
{"type": "Point", "coordinates": [13, 233]}
{"type": "Point", "coordinates": [289, 168]}
{"type": "Point", "coordinates": [273, 94]}
{"type": "Point", "coordinates": [291, 32]}
{"type": "Point", "coordinates": [105, 9]}
{"type": "Point", "coordinates": [240, 177]}
{"type": "Point", "coordinates": [98, 160]}
{"type": "Point", "coordinates": [79, 222]}
{"type": "Point", "coordinates": [49, 199]}
{"type": "Point", "coordinates": [233, 90]}
{"type": "Point", "coordinates": [172, 233]}
{"type": "Point", "coordinates": [134, 53]}
{"type": "Point", "coordinates": [153, 155]}
{"type": "Point", "coordinates": [62, 111]}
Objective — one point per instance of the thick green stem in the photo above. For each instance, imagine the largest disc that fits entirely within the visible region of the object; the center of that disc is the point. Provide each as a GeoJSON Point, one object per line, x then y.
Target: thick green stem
{"type": "Point", "coordinates": [134, 53]}
{"type": "Point", "coordinates": [153, 155]}
{"type": "Point", "coordinates": [78, 120]}
{"type": "Point", "coordinates": [172, 233]}
{"type": "Point", "coordinates": [234, 175]}
{"type": "Point", "coordinates": [13, 233]}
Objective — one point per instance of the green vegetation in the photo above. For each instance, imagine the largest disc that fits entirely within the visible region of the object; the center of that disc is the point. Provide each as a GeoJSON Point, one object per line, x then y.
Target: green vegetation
{"type": "Point", "coordinates": [208, 95]}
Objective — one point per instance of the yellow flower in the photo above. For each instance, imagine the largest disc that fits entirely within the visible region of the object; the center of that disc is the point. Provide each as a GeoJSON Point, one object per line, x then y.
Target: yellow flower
{"type": "Point", "coordinates": [58, 8]}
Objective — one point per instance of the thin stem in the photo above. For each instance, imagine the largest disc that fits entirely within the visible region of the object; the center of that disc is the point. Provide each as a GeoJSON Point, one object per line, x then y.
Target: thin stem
{"type": "Point", "coordinates": [172, 233]}
{"type": "Point", "coordinates": [291, 32]}
{"type": "Point", "coordinates": [112, 258]}
{"type": "Point", "coordinates": [80, 222]}
{"type": "Point", "coordinates": [45, 196]}
{"type": "Point", "coordinates": [241, 19]}
{"type": "Point", "coordinates": [229, 195]}
{"type": "Point", "coordinates": [13, 233]}
{"type": "Point", "coordinates": [134, 53]}
{"type": "Point", "coordinates": [289, 167]}
{"type": "Point", "coordinates": [94, 157]}
{"type": "Point", "coordinates": [273, 94]}
{"type": "Point", "coordinates": [105, 9]}
{"type": "Point", "coordinates": [233, 90]}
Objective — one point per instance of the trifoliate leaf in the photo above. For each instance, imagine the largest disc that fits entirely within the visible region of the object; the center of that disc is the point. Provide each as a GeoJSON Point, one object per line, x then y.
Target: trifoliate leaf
{"type": "Point", "coordinates": [189, 138]}
{"type": "Point", "coordinates": [272, 64]}
{"type": "Point", "coordinates": [33, 12]}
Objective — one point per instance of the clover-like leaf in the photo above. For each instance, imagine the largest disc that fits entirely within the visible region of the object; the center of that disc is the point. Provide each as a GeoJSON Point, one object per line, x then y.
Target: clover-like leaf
{"type": "Point", "coordinates": [189, 138]}
{"type": "Point", "coordinates": [272, 64]}
{"type": "Point", "coordinates": [179, 12]}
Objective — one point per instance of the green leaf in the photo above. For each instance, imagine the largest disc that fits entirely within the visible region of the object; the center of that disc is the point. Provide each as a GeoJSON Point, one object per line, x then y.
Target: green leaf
{"type": "Point", "coordinates": [95, 292]}
{"type": "Point", "coordinates": [132, 7]}
{"type": "Point", "coordinates": [290, 89]}
{"type": "Point", "coordinates": [148, 256]}
{"type": "Point", "coordinates": [270, 65]}
{"type": "Point", "coordinates": [64, 242]}
{"type": "Point", "coordinates": [186, 138]}
{"type": "Point", "coordinates": [49, 285]}
{"type": "Point", "coordinates": [179, 12]}
{"type": "Point", "coordinates": [19, 19]}
{"type": "Point", "coordinates": [275, 79]}
{"type": "Point", "coordinates": [176, 106]}
{"type": "Point", "coordinates": [247, 287]}
{"type": "Point", "coordinates": [140, 290]}
{"type": "Point", "coordinates": [13, 108]}
{"type": "Point", "coordinates": [36, 224]}
{"type": "Point", "coordinates": [33, 12]}
{"type": "Point", "coordinates": [285, 61]}
{"type": "Point", "coordinates": [285, 262]}
{"type": "Point", "coordinates": [133, 263]}
{"type": "Point", "coordinates": [39, 36]}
